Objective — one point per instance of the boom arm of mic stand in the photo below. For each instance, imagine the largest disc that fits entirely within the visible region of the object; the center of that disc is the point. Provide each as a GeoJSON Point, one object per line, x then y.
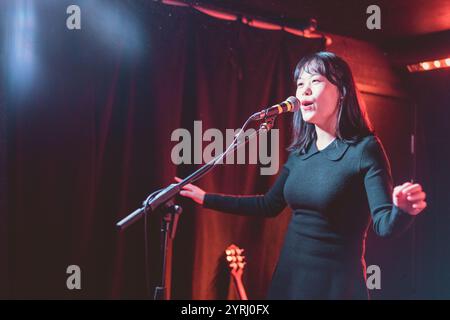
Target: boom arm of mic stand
{"type": "Point", "coordinates": [173, 189]}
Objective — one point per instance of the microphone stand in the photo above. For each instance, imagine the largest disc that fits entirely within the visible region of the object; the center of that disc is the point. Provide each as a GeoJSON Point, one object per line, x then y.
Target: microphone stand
{"type": "Point", "coordinates": [162, 201]}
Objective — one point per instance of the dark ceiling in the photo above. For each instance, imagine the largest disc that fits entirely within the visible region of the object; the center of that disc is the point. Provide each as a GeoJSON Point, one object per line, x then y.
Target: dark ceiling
{"type": "Point", "coordinates": [399, 18]}
{"type": "Point", "coordinates": [411, 30]}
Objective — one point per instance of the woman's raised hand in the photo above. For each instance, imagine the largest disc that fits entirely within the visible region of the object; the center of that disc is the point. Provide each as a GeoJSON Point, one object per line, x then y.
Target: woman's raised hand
{"type": "Point", "coordinates": [409, 198]}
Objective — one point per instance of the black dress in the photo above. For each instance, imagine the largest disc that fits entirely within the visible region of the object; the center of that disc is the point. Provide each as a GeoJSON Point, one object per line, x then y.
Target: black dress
{"type": "Point", "coordinates": [333, 193]}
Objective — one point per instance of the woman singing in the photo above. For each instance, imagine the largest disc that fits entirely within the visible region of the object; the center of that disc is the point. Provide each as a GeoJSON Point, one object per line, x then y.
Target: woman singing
{"type": "Point", "coordinates": [337, 181]}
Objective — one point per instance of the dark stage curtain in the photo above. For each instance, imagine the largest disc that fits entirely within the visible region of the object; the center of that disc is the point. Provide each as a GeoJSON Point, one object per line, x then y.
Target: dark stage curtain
{"type": "Point", "coordinates": [431, 92]}
{"type": "Point", "coordinates": [89, 137]}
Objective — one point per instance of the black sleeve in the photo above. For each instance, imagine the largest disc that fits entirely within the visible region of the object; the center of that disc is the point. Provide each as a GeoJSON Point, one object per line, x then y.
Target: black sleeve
{"type": "Point", "coordinates": [268, 205]}
{"type": "Point", "coordinates": [388, 219]}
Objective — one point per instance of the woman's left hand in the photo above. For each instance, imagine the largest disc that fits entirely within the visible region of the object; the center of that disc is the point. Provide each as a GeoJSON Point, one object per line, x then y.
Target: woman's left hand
{"type": "Point", "coordinates": [409, 198]}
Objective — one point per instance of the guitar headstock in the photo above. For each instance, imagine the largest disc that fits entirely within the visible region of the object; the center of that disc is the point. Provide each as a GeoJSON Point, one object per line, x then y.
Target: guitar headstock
{"type": "Point", "coordinates": [236, 261]}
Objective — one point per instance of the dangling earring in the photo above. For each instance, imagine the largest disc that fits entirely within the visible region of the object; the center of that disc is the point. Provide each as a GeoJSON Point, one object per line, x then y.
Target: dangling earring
{"type": "Point", "coordinates": [341, 102]}
{"type": "Point", "coordinates": [340, 112]}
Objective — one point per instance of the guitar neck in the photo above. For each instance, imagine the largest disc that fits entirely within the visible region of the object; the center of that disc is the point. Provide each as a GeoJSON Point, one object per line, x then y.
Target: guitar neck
{"type": "Point", "coordinates": [240, 288]}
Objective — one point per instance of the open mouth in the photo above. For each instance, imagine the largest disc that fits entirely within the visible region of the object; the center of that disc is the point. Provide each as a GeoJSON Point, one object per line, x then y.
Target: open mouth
{"type": "Point", "coordinates": [307, 105]}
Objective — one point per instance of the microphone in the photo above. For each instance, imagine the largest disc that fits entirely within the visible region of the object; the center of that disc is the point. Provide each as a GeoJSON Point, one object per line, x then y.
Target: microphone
{"type": "Point", "coordinates": [292, 104]}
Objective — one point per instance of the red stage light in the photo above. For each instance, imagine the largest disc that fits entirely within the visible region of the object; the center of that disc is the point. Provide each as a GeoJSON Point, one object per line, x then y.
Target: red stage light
{"type": "Point", "coordinates": [425, 65]}
{"type": "Point", "coordinates": [429, 65]}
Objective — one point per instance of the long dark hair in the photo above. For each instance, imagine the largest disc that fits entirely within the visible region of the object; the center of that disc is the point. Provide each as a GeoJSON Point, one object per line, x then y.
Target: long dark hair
{"type": "Point", "coordinates": [352, 123]}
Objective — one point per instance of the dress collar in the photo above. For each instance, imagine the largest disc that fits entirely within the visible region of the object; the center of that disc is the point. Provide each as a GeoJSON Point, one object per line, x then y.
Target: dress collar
{"type": "Point", "coordinates": [334, 151]}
